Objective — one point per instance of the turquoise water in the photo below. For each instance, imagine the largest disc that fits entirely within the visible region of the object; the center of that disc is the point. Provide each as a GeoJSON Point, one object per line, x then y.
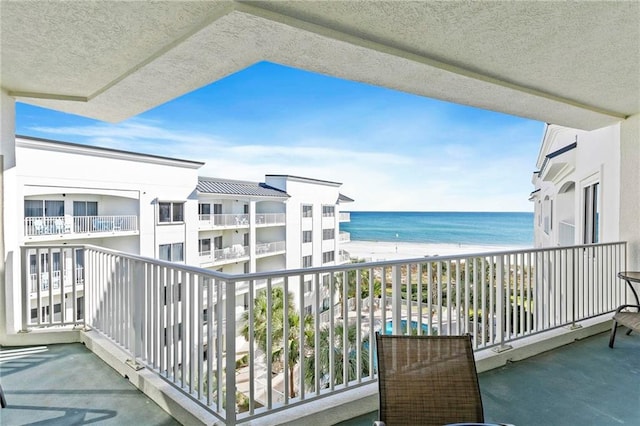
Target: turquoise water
{"type": "Point", "coordinates": [388, 328]}
{"type": "Point", "coordinates": [478, 228]}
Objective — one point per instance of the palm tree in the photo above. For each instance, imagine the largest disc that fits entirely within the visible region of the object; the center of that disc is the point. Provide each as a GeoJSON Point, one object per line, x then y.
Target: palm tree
{"type": "Point", "coordinates": [278, 346]}
{"type": "Point", "coordinates": [337, 347]}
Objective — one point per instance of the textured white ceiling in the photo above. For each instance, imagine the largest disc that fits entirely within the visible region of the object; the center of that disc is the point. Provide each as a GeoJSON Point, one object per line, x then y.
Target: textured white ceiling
{"type": "Point", "coordinates": [575, 64]}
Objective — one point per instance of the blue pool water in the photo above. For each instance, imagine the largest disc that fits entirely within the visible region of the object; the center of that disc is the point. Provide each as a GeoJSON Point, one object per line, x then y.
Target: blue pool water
{"type": "Point", "coordinates": [388, 329]}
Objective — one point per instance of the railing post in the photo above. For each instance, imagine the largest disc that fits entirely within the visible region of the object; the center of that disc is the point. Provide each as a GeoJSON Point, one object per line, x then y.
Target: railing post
{"type": "Point", "coordinates": [574, 300]}
{"type": "Point", "coordinates": [25, 290]}
{"type": "Point", "coordinates": [500, 307]}
{"type": "Point", "coordinates": [230, 351]}
{"type": "Point", "coordinates": [396, 302]}
{"type": "Point", "coordinates": [135, 278]}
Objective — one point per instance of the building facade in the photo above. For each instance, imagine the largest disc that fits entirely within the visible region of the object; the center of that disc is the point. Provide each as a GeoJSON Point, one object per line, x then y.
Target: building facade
{"type": "Point", "coordinates": [159, 207]}
{"type": "Point", "coordinates": [577, 185]}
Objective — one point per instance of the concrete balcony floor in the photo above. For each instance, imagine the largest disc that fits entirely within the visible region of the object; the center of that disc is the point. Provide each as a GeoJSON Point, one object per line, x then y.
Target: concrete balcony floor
{"type": "Point", "coordinates": [583, 383]}
{"type": "Point", "coordinates": [69, 385]}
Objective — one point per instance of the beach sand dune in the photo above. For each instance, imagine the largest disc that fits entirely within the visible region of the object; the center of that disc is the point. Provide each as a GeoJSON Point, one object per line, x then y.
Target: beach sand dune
{"type": "Point", "coordinates": [384, 250]}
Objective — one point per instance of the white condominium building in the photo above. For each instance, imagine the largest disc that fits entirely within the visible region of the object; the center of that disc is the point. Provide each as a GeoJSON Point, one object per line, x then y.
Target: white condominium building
{"type": "Point", "coordinates": [158, 207]}
{"type": "Point", "coordinates": [576, 192]}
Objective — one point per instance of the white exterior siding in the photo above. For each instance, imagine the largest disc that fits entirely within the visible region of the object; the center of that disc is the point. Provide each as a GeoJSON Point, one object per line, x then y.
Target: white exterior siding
{"type": "Point", "coordinates": [559, 197]}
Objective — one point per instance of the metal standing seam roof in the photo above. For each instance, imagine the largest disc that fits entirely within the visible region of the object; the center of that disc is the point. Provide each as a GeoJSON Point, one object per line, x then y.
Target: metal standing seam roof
{"type": "Point", "coordinates": [234, 187]}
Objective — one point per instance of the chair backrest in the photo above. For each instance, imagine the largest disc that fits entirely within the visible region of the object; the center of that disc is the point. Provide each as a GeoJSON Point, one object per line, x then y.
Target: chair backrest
{"type": "Point", "coordinates": [427, 380]}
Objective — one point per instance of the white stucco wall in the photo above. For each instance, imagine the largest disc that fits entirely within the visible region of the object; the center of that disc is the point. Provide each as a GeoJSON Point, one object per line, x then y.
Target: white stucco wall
{"type": "Point", "coordinates": [596, 158]}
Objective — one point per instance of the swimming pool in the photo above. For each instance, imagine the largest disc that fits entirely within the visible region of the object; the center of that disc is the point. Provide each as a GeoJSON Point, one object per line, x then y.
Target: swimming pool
{"type": "Point", "coordinates": [388, 329]}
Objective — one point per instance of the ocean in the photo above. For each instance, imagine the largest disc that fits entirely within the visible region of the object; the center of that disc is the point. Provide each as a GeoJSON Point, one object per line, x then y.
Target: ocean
{"type": "Point", "coordinates": [476, 228]}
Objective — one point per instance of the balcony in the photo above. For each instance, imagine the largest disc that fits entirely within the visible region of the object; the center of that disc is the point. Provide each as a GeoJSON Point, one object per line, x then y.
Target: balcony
{"type": "Point", "coordinates": [46, 228]}
{"type": "Point", "coordinates": [223, 221]}
{"type": "Point", "coordinates": [515, 304]}
{"type": "Point", "coordinates": [344, 217]}
{"type": "Point", "coordinates": [566, 233]}
{"type": "Point", "coordinates": [232, 253]}
{"type": "Point", "coordinates": [267, 249]}
{"type": "Point", "coordinates": [270, 219]}
{"type": "Point", "coordinates": [345, 237]}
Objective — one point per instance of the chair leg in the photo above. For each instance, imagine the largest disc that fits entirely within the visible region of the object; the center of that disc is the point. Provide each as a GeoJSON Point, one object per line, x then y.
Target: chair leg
{"type": "Point", "coordinates": [613, 333]}
{"type": "Point", "coordinates": [3, 401]}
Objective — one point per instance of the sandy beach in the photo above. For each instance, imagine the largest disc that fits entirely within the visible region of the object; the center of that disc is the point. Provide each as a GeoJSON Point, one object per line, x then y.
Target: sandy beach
{"type": "Point", "coordinates": [383, 250]}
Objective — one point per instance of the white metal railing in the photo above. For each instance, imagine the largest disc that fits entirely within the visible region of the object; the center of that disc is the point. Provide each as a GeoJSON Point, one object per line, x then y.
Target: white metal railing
{"type": "Point", "coordinates": [268, 248]}
{"type": "Point", "coordinates": [189, 324]}
{"type": "Point", "coordinates": [224, 220]}
{"type": "Point", "coordinates": [344, 236]}
{"type": "Point", "coordinates": [58, 225]}
{"type": "Point", "coordinates": [566, 233]}
{"type": "Point", "coordinates": [263, 219]}
{"type": "Point", "coordinates": [344, 217]}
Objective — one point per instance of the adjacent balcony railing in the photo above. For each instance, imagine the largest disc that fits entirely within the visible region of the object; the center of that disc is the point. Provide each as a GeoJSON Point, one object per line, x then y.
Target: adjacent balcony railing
{"type": "Point", "coordinates": [270, 219]}
{"type": "Point", "coordinates": [566, 233]}
{"type": "Point", "coordinates": [233, 252]}
{"type": "Point", "coordinates": [238, 251]}
{"type": "Point", "coordinates": [188, 325]}
{"type": "Point", "coordinates": [269, 248]}
{"type": "Point", "coordinates": [61, 225]}
{"type": "Point", "coordinates": [345, 237]}
{"type": "Point", "coordinates": [224, 220]}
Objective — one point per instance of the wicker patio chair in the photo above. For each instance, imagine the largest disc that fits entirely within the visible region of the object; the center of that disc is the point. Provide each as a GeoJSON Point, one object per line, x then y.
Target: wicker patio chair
{"type": "Point", "coordinates": [427, 380]}
{"type": "Point", "coordinates": [629, 319]}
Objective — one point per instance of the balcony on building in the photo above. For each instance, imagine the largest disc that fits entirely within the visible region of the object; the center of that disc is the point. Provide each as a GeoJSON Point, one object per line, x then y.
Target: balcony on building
{"type": "Point", "coordinates": [70, 216]}
{"type": "Point", "coordinates": [345, 217]}
{"type": "Point", "coordinates": [230, 254]}
{"type": "Point", "coordinates": [223, 221]}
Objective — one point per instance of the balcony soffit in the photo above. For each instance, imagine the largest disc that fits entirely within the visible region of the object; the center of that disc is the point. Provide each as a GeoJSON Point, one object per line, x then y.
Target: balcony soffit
{"type": "Point", "coordinates": [573, 64]}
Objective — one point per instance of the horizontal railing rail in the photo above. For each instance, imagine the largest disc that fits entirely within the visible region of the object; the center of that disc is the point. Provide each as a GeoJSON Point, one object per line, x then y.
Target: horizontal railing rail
{"type": "Point", "coordinates": [283, 338]}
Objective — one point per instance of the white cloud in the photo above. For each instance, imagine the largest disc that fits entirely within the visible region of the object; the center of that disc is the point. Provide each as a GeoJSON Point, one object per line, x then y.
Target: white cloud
{"type": "Point", "coordinates": [420, 172]}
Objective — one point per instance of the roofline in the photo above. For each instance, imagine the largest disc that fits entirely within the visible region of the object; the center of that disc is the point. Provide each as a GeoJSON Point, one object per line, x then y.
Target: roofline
{"type": "Point", "coordinates": [107, 150]}
{"type": "Point", "coordinates": [306, 179]}
{"type": "Point", "coordinates": [562, 150]}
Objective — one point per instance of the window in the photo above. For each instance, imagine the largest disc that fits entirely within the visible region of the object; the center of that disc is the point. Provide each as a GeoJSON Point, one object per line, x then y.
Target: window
{"type": "Point", "coordinates": [547, 207]}
{"type": "Point", "coordinates": [217, 209]}
{"type": "Point", "coordinates": [43, 208]}
{"type": "Point", "coordinates": [170, 212]}
{"type": "Point", "coordinates": [171, 252]}
{"type": "Point", "coordinates": [204, 246]}
{"type": "Point", "coordinates": [307, 236]}
{"type": "Point", "coordinates": [217, 243]}
{"type": "Point", "coordinates": [245, 209]}
{"type": "Point", "coordinates": [245, 239]}
{"type": "Point", "coordinates": [328, 211]}
{"type": "Point", "coordinates": [204, 210]}
{"type": "Point", "coordinates": [308, 286]}
{"type": "Point", "coordinates": [328, 234]}
{"type": "Point", "coordinates": [591, 214]}
{"type": "Point", "coordinates": [307, 210]}
{"type": "Point", "coordinates": [85, 208]}
{"type": "Point", "coordinates": [307, 261]}
{"type": "Point", "coordinates": [328, 256]}
{"type": "Point", "coordinates": [308, 310]}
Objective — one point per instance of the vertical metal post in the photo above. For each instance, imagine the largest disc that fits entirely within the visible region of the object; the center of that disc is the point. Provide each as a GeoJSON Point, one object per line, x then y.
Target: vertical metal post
{"type": "Point", "coordinates": [134, 280]}
{"type": "Point", "coordinates": [396, 302]}
{"type": "Point", "coordinates": [500, 308]}
{"type": "Point", "coordinates": [230, 351]}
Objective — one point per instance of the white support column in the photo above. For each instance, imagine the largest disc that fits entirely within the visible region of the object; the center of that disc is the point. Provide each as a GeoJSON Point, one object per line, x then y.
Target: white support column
{"type": "Point", "coordinates": [252, 236]}
{"type": "Point", "coordinates": [9, 264]}
{"type": "Point", "coordinates": [630, 188]}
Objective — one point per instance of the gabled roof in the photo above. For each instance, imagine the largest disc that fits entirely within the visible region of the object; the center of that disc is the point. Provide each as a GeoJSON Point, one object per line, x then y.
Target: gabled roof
{"type": "Point", "coordinates": [344, 199]}
{"type": "Point", "coordinates": [237, 187]}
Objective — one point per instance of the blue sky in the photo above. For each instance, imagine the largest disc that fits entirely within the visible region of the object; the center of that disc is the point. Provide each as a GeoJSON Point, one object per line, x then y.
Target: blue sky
{"type": "Point", "coordinates": [392, 151]}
